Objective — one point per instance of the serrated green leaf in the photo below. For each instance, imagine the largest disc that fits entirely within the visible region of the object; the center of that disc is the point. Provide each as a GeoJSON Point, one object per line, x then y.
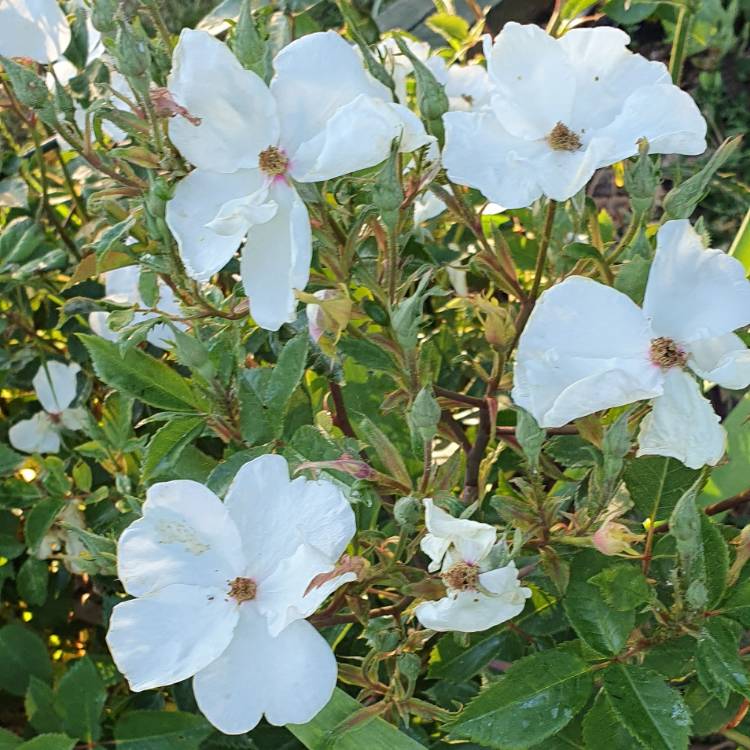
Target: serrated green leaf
{"type": "Point", "coordinates": [22, 654]}
{"type": "Point", "coordinates": [656, 483]}
{"type": "Point", "coordinates": [737, 603]}
{"type": "Point", "coordinates": [366, 353]}
{"type": "Point", "coordinates": [80, 698]}
{"type": "Point", "coordinates": [387, 453]}
{"type": "Point", "coordinates": [709, 716]}
{"type": "Point", "coordinates": [8, 740]}
{"type": "Point", "coordinates": [168, 442]}
{"type": "Point", "coordinates": [161, 730]}
{"type": "Point", "coordinates": [718, 654]}
{"type": "Point", "coordinates": [39, 704]}
{"type": "Point", "coordinates": [141, 376]}
{"type": "Point", "coordinates": [535, 699]}
{"type": "Point", "coordinates": [49, 742]}
{"type": "Point", "coordinates": [602, 722]}
{"type": "Point", "coordinates": [623, 586]}
{"type": "Point", "coordinates": [648, 707]}
{"type": "Point", "coordinates": [39, 520]}
{"type": "Point", "coordinates": [376, 734]}
{"type": "Point", "coordinates": [287, 373]}
{"type": "Point", "coordinates": [9, 459]}
{"type": "Point", "coordinates": [32, 581]}
{"type": "Point", "coordinates": [602, 627]}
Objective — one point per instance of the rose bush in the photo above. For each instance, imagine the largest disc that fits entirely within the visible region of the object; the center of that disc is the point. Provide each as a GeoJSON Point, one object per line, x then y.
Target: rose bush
{"type": "Point", "coordinates": [364, 392]}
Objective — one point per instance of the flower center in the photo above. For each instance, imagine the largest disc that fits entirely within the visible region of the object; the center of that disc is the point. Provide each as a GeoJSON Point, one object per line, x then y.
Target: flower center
{"type": "Point", "coordinates": [562, 138]}
{"type": "Point", "coordinates": [667, 353]}
{"type": "Point", "coordinates": [273, 161]}
{"type": "Point", "coordinates": [462, 576]}
{"type": "Point", "coordinates": [243, 589]}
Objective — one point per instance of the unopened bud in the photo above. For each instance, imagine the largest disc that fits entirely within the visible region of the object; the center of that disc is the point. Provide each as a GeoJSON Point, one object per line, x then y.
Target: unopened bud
{"type": "Point", "coordinates": [641, 179]}
{"type": "Point", "coordinates": [346, 464]}
{"type": "Point", "coordinates": [103, 15]}
{"type": "Point", "coordinates": [614, 538]}
{"type": "Point", "coordinates": [407, 511]}
{"type": "Point", "coordinates": [166, 106]}
{"type": "Point", "coordinates": [133, 54]}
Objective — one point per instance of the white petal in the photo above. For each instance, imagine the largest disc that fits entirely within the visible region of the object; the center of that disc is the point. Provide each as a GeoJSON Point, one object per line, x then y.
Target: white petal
{"type": "Point", "coordinates": [74, 419]}
{"type": "Point", "coordinates": [606, 74]}
{"type": "Point", "coordinates": [585, 348]}
{"type": "Point", "coordinates": [56, 384]}
{"type": "Point", "coordinates": [185, 536]}
{"type": "Point", "coordinates": [162, 336]}
{"type": "Point", "coordinates": [427, 207]}
{"type": "Point", "coordinates": [33, 28]}
{"type": "Point", "coordinates": [724, 360]}
{"type": "Point", "coordinates": [289, 678]}
{"type": "Point", "coordinates": [171, 634]}
{"type": "Point", "coordinates": [281, 596]}
{"type": "Point", "coordinates": [121, 285]}
{"type": "Point", "coordinates": [480, 153]}
{"type": "Point", "coordinates": [357, 136]}
{"type": "Point", "coordinates": [562, 174]}
{"type": "Point", "coordinates": [316, 75]}
{"type": "Point", "coordinates": [467, 86]}
{"type": "Point", "coordinates": [663, 114]}
{"type": "Point", "coordinates": [682, 424]}
{"type": "Point", "coordinates": [98, 324]}
{"type": "Point", "coordinates": [534, 81]}
{"type": "Point", "coordinates": [693, 293]}
{"type": "Point", "coordinates": [274, 516]}
{"type": "Point", "coordinates": [197, 199]}
{"type": "Point", "coordinates": [237, 111]}
{"type": "Point", "coordinates": [237, 216]}
{"type": "Point", "coordinates": [472, 539]}
{"type": "Point", "coordinates": [473, 611]}
{"type": "Point", "coordinates": [276, 260]}
{"type": "Point", "coordinates": [36, 435]}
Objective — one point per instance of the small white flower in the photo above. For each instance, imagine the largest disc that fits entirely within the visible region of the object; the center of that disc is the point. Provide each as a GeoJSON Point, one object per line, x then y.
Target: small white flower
{"type": "Point", "coordinates": [589, 347]}
{"type": "Point", "coordinates": [55, 384]}
{"type": "Point", "coordinates": [222, 593]}
{"type": "Point", "coordinates": [121, 285]}
{"type": "Point", "coordinates": [323, 116]}
{"type": "Point", "coordinates": [561, 109]}
{"type": "Point", "coordinates": [33, 28]}
{"type": "Point", "coordinates": [478, 598]}
{"type": "Point", "coordinates": [61, 544]}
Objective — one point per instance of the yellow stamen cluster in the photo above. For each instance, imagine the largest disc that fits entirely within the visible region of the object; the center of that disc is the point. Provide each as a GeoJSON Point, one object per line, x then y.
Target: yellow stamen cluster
{"type": "Point", "coordinates": [242, 589]}
{"type": "Point", "coordinates": [462, 576]}
{"type": "Point", "coordinates": [562, 138]}
{"type": "Point", "coordinates": [666, 353]}
{"type": "Point", "coordinates": [273, 161]}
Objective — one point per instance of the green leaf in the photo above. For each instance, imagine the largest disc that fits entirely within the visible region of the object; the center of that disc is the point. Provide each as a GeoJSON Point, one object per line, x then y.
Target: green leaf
{"type": "Point", "coordinates": [717, 655]}
{"type": "Point", "coordinates": [10, 546]}
{"type": "Point", "coordinates": [168, 442]}
{"type": "Point", "coordinates": [733, 477]}
{"type": "Point", "coordinates": [39, 520]}
{"type": "Point", "coordinates": [22, 654]}
{"type": "Point", "coordinates": [530, 437]}
{"type": "Point", "coordinates": [601, 626]}
{"type": "Point", "coordinates": [389, 456]}
{"type": "Point", "coordinates": [375, 734]}
{"type": "Point", "coordinates": [287, 373]}
{"type": "Point", "coordinates": [648, 707]}
{"type": "Point", "coordinates": [39, 704]}
{"type": "Point", "coordinates": [161, 730]}
{"type": "Point", "coordinates": [32, 581]}
{"type": "Point", "coordinates": [601, 721]}
{"type": "Point", "coordinates": [8, 740]}
{"type": "Point", "coordinates": [681, 200]}
{"type": "Point", "coordinates": [737, 604]}
{"type": "Point", "coordinates": [49, 742]}
{"type": "Point", "coordinates": [221, 477]}
{"type": "Point", "coordinates": [656, 484]}
{"type": "Point", "coordinates": [535, 699]}
{"type": "Point", "coordinates": [80, 698]}
{"type": "Point", "coordinates": [709, 716]}
{"type": "Point", "coordinates": [451, 27]}
{"type": "Point", "coordinates": [141, 376]}
{"type": "Point", "coordinates": [623, 586]}
{"type": "Point", "coordinates": [366, 353]}
{"type": "Point", "coordinates": [458, 663]}
{"type": "Point", "coordinates": [9, 459]}
{"type": "Point", "coordinates": [716, 556]}
{"type": "Point", "coordinates": [632, 277]}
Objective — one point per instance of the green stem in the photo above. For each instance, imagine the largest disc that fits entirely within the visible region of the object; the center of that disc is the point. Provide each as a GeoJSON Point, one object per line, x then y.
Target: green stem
{"type": "Point", "coordinates": [679, 45]}
{"type": "Point", "coordinates": [740, 739]}
{"type": "Point", "coordinates": [627, 238]}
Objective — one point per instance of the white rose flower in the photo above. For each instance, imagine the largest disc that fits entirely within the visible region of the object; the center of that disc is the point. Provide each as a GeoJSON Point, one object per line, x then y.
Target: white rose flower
{"type": "Point", "coordinates": [222, 592]}
{"type": "Point", "coordinates": [55, 384]}
{"type": "Point", "coordinates": [33, 28]}
{"type": "Point", "coordinates": [561, 109]}
{"type": "Point", "coordinates": [121, 285]}
{"type": "Point", "coordinates": [323, 116]}
{"type": "Point", "coordinates": [589, 347]}
{"type": "Point", "coordinates": [478, 598]}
